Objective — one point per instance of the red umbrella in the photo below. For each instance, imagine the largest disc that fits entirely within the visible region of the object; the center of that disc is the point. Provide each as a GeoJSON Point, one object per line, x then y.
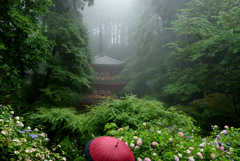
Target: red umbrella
{"type": "Point", "coordinates": [108, 148]}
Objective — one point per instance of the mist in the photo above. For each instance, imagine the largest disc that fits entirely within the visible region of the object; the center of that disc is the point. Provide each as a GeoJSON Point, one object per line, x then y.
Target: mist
{"type": "Point", "coordinates": [116, 18]}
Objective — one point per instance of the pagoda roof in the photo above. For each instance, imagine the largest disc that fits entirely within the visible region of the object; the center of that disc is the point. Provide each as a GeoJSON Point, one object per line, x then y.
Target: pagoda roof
{"type": "Point", "coordinates": [105, 60]}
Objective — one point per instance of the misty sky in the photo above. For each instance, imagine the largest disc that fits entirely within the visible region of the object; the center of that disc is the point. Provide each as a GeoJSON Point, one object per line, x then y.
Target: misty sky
{"type": "Point", "coordinates": [108, 10]}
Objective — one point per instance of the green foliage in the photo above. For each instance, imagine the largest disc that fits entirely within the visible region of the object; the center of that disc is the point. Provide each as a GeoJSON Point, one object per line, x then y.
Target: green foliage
{"type": "Point", "coordinates": [68, 72]}
{"type": "Point", "coordinates": [61, 123]}
{"type": "Point", "coordinates": [58, 122]}
{"type": "Point", "coordinates": [211, 56]}
{"type": "Point", "coordinates": [19, 143]}
{"type": "Point", "coordinates": [70, 148]}
{"type": "Point", "coordinates": [215, 108]}
{"type": "Point", "coordinates": [157, 142]}
{"type": "Point", "coordinates": [23, 44]}
{"type": "Point", "coordinates": [131, 111]}
{"type": "Point", "coordinates": [64, 126]}
{"type": "Point", "coordinates": [80, 159]}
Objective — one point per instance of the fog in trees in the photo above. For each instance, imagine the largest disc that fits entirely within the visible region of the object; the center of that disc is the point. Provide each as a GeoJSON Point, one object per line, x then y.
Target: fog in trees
{"type": "Point", "coordinates": [116, 19]}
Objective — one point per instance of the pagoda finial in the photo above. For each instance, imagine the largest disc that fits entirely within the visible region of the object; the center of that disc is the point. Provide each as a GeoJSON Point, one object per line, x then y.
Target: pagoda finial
{"type": "Point", "coordinates": [100, 41]}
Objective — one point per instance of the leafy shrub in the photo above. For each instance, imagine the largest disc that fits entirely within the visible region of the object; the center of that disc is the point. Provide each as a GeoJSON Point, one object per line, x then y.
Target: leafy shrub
{"type": "Point", "coordinates": [131, 111]}
{"type": "Point", "coordinates": [156, 142]}
{"type": "Point", "coordinates": [64, 126]}
{"type": "Point", "coordinates": [59, 122]}
{"type": "Point", "coordinates": [19, 143]}
{"type": "Point", "coordinates": [214, 109]}
{"type": "Point", "coordinates": [80, 159]}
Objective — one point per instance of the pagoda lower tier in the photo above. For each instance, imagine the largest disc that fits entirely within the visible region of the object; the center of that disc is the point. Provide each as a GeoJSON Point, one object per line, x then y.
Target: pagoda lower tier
{"type": "Point", "coordinates": [106, 88]}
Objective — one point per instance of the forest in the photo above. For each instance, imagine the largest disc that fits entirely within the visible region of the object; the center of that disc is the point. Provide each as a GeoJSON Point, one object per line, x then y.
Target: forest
{"type": "Point", "coordinates": [182, 65]}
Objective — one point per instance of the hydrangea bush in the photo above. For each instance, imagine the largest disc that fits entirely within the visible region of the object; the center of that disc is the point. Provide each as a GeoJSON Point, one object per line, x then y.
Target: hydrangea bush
{"type": "Point", "coordinates": [156, 142]}
{"type": "Point", "coordinates": [23, 143]}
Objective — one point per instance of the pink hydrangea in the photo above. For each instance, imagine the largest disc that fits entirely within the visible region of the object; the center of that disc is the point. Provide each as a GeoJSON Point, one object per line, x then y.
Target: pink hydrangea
{"type": "Point", "coordinates": [139, 142]}
{"type": "Point", "coordinates": [188, 152]}
{"type": "Point", "coordinates": [170, 139]}
{"type": "Point", "coordinates": [226, 127]}
{"type": "Point", "coordinates": [154, 144]}
{"type": "Point", "coordinates": [147, 159]}
{"type": "Point", "coordinates": [181, 134]}
{"type": "Point", "coordinates": [212, 156]}
{"type": "Point", "coordinates": [199, 155]}
{"type": "Point", "coordinates": [224, 132]}
{"type": "Point", "coordinates": [222, 148]}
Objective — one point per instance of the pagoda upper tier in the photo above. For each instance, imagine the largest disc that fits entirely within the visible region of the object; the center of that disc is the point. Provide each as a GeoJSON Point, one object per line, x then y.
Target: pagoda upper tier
{"type": "Point", "coordinates": [106, 67]}
{"type": "Point", "coordinates": [106, 84]}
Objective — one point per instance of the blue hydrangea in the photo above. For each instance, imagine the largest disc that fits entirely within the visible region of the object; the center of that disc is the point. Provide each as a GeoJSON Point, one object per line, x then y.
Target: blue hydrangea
{"type": "Point", "coordinates": [33, 135]}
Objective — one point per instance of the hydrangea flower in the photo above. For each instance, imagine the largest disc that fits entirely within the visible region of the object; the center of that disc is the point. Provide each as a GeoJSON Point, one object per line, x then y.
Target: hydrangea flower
{"type": "Point", "coordinates": [137, 147]}
{"type": "Point", "coordinates": [191, 148]}
{"type": "Point", "coordinates": [33, 135]}
{"type": "Point", "coordinates": [202, 145]}
{"type": "Point", "coordinates": [16, 140]}
{"type": "Point", "coordinates": [144, 124]}
{"type": "Point", "coordinates": [179, 155]}
{"type": "Point", "coordinates": [139, 159]}
{"type": "Point", "coordinates": [224, 132]}
{"type": "Point", "coordinates": [199, 155]}
{"type": "Point", "coordinates": [170, 139]}
{"type": "Point", "coordinates": [176, 158]}
{"type": "Point", "coordinates": [132, 145]}
{"type": "Point", "coordinates": [4, 132]}
{"type": "Point", "coordinates": [212, 156]}
{"type": "Point", "coordinates": [147, 159]}
{"type": "Point", "coordinates": [222, 148]}
{"type": "Point", "coordinates": [154, 154]}
{"type": "Point", "coordinates": [188, 152]}
{"type": "Point", "coordinates": [135, 138]}
{"type": "Point", "coordinates": [191, 159]}
{"type": "Point", "coordinates": [218, 137]}
{"type": "Point", "coordinates": [226, 127]}
{"type": "Point", "coordinates": [27, 150]}
{"type": "Point", "coordinates": [139, 142]}
{"type": "Point", "coordinates": [181, 134]}
{"type": "Point", "coordinates": [159, 132]}
{"type": "Point", "coordinates": [121, 129]}
{"type": "Point", "coordinates": [154, 144]}
{"type": "Point", "coordinates": [16, 152]}
{"type": "Point", "coordinates": [228, 144]}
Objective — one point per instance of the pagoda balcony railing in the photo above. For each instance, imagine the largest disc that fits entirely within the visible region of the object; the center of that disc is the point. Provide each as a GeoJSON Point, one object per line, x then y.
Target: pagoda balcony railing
{"type": "Point", "coordinates": [106, 78]}
{"type": "Point", "coordinates": [97, 96]}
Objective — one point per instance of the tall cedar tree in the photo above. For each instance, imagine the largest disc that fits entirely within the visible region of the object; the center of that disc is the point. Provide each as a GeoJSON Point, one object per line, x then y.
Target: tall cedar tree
{"type": "Point", "coordinates": [22, 44]}
{"type": "Point", "coordinates": [68, 72]}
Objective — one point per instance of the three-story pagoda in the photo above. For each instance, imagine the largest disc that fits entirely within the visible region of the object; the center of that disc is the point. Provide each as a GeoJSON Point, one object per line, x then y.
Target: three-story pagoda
{"type": "Point", "coordinates": [105, 84]}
